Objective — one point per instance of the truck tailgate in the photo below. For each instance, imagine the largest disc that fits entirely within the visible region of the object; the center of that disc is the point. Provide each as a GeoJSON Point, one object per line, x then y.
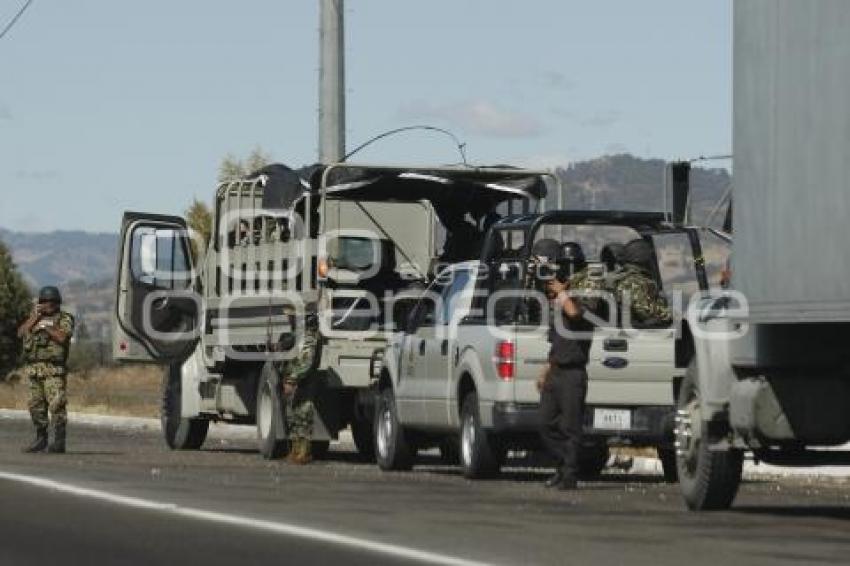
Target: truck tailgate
{"type": "Point", "coordinates": [634, 369]}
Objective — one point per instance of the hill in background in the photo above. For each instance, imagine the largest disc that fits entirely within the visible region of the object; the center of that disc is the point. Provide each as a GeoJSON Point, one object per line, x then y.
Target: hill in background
{"type": "Point", "coordinates": [625, 182]}
{"type": "Point", "coordinates": [57, 258]}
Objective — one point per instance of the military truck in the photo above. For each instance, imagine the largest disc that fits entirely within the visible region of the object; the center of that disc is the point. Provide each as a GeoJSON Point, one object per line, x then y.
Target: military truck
{"type": "Point", "coordinates": [771, 370]}
{"type": "Point", "coordinates": [343, 241]}
{"type": "Point", "coordinates": [463, 370]}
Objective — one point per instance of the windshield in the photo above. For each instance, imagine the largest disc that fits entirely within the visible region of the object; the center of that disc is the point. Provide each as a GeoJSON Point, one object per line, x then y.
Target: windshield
{"type": "Point", "coordinates": [356, 253]}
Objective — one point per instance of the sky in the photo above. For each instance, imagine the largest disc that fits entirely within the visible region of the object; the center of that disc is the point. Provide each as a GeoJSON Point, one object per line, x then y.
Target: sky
{"type": "Point", "coordinates": [109, 106]}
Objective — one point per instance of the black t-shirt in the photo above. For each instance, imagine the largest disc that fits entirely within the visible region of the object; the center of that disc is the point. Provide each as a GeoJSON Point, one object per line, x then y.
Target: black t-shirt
{"type": "Point", "coordinates": [567, 348]}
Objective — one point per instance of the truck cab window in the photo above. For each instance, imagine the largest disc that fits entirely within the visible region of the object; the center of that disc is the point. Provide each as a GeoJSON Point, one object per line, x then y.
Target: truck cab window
{"type": "Point", "coordinates": [158, 258]}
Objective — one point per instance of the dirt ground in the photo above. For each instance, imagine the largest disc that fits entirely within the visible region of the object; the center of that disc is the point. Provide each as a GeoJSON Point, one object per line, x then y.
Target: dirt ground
{"type": "Point", "coordinates": [124, 391]}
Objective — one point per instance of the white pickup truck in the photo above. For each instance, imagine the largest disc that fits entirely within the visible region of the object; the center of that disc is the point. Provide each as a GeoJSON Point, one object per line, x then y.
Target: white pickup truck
{"type": "Point", "coordinates": [463, 372]}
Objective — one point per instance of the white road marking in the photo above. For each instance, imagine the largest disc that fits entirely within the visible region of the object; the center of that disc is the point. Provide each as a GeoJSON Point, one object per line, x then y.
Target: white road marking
{"type": "Point", "coordinates": [276, 527]}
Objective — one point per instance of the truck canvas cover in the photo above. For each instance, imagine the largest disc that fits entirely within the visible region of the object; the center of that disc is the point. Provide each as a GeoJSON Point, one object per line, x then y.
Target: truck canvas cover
{"type": "Point", "coordinates": [468, 189]}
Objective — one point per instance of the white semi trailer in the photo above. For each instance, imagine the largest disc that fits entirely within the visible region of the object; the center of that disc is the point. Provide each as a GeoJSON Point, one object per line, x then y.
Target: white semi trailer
{"type": "Point", "coordinates": [772, 375]}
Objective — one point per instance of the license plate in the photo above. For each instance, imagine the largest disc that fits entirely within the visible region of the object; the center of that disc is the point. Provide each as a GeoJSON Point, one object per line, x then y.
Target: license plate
{"type": "Point", "coordinates": [612, 419]}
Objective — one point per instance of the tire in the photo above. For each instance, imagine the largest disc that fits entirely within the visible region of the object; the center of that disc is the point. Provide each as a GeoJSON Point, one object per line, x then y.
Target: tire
{"type": "Point", "coordinates": [363, 433]}
{"type": "Point", "coordinates": [480, 454]}
{"type": "Point", "coordinates": [591, 461]}
{"type": "Point", "coordinates": [450, 451]}
{"type": "Point", "coordinates": [392, 449]}
{"type": "Point", "coordinates": [179, 433]}
{"type": "Point", "coordinates": [668, 464]}
{"type": "Point", "coordinates": [708, 480]}
{"type": "Point", "coordinates": [270, 416]}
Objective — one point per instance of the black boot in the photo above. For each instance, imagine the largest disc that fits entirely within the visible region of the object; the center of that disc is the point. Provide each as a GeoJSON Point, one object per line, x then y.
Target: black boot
{"type": "Point", "coordinates": [567, 483]}
{"type": "Point", "coordinates": [39, 444]}
{"type": "Point", "coordinates": [555, 480]}
{"type": "Point", "coordinates": [58, 444]}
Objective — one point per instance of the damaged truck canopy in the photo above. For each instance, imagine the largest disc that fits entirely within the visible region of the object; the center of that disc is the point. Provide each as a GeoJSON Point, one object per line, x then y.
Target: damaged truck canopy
{"type": "Point", "coordinates": [476, 190]}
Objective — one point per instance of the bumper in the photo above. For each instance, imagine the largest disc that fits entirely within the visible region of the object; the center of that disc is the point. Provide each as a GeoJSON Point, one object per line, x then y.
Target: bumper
{"type": "Point", "coordinates": [650, 425]}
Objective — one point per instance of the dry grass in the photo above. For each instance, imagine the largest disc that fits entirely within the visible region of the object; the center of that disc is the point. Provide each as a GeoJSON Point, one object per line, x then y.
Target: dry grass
{"type": "Point", "coordinates": [126, 391]}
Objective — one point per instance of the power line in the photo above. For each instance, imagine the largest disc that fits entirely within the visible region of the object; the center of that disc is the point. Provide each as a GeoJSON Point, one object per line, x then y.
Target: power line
{"type": "Point", "coordinates": [461, 146]}
{"type": "Point", "coordinates": [14, 20]}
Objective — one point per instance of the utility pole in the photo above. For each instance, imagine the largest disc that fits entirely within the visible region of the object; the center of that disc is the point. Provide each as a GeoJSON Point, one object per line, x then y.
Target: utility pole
{"type": "Point", "coordinates": [331, 81]}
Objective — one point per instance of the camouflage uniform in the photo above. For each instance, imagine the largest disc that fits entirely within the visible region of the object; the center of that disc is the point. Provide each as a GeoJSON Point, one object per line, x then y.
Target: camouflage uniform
{"type": "Point", "coordinates": [581, 283]}
{"type": "Point", "coordinates": [45, 368]}
{"type": "Point", "coordinates": [636, 286]}
{"type": "Point", "coordinates": [298, 372]}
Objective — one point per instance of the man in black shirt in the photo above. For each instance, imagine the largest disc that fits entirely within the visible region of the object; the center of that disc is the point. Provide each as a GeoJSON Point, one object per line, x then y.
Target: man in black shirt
{"type": "Point", "coordinates": [563, 383]}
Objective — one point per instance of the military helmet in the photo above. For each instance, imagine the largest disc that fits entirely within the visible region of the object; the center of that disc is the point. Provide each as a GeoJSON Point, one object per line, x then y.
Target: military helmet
{"type": "Point", "coordinates": [638, 252]}
{"type": "Point", "coordinates": [547, 248]}
{"type": "Point", "coordinates": [572, 253]}
{"type": "Point", "coordinates": [611, 255]}
{"type": "Point", "coordinates": [49, 294]}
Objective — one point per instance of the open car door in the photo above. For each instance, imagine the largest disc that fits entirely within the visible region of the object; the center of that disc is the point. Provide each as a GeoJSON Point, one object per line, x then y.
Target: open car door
{"type": "Point", "coordinates": [156, 310]}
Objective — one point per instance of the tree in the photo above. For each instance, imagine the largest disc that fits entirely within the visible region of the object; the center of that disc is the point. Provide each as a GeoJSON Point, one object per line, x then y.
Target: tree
{"type": "Point", "coordinates": [15, 303]}
{"type": "Point", "coordinates": [232, 167]}
{"type": "Point", "coordinates": [256, 160]}
{"type": "Point", "coordinates": [199, 219]}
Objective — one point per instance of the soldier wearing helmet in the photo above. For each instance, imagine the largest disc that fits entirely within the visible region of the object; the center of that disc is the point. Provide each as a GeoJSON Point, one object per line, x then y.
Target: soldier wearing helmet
{"type": "Point", "coordinates": [636, 290]}
{"type": "Point", "coordinates": [46, 336]}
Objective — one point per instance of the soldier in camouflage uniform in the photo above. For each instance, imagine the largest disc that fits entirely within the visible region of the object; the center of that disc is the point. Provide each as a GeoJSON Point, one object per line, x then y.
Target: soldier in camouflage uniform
{"type": "Point", "coordinates": [46, 335]}
{"type": "Point", "coordinates": [635, 286]}
{"type": "Point", "coordinates": [298, 375]}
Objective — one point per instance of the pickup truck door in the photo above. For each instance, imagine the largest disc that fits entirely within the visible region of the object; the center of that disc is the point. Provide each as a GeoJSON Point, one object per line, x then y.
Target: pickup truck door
{"type": "Point", "coordinates": [413, 368]}
{"type": "Point", "coordinates": [441, 350]}
{"type": "Point", "coordinates": [156, 311]}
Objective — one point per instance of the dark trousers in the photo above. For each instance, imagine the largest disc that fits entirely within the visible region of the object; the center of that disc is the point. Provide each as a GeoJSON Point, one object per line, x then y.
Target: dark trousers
{"type": "Point", "coordinates": [562, 416]}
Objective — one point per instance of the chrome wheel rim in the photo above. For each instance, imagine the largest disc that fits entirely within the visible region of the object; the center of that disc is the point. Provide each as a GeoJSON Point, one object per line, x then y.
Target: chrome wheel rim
{"type": "Point", "coordinates": [385, 427]}
{"type": "Point", "coordinates": [468, 439]}
{"type": "Point", "coordinates": [688, 433]}
{"type": "Point", "coordinates": [265, 416]}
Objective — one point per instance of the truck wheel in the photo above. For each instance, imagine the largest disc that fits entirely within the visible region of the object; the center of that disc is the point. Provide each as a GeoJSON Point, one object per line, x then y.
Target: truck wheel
{"type": "Point", "coordinates": [393, 452]}
{"type": "Point", "coordinates": [270, 415]}
{"type": "Point", "coordinates": [709, 480]}
{"type": "Point", "coordinates": [480, 455]}
{"type": "Point", "coordinates": [363, 433]}
{"type": "Point", "coordinates": [668, 464]}
{"type": "Point", "coordinates": [179, 433]}
{"type": "Point", "coordinates": [591, 461]}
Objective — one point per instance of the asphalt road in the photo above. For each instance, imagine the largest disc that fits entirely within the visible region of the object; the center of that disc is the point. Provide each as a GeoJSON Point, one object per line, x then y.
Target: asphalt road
{"type": "Point", "coordinates": [225, 505]}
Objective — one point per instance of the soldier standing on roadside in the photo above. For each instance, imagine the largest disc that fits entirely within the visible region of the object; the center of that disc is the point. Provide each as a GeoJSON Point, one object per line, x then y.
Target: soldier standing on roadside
{"type": "Point", "coordinates": [298, 390]}
{"type": "Point", "coordinates": [563, 383]}
{"type": "Point", "coordinates": [46, 335]}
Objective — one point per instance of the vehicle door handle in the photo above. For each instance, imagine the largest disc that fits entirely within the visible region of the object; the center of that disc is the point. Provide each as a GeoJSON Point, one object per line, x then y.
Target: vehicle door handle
{"type": "Point", "coordinates": [616, 345]}
{"type": "Point", "coordinates": [444, 348]}
{"type": "Point", "coordinates": [422, 347]}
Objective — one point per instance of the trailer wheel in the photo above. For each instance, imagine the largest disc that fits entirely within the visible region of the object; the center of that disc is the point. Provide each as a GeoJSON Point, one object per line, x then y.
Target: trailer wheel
{"type": "Point", "coordinates": [270, 416]}
{"type": "Point", "coordinates": [179, 433]}
{"type": "Point", "coordinates": [708, 480]}
{"type": "Point", "coordinates": [480, 453]}
{"type": "Point", "coordinates": [392, 449]}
